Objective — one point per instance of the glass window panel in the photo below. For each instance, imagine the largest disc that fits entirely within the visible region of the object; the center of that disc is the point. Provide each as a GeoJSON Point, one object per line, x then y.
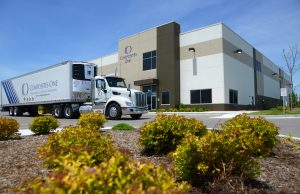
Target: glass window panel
{"type": "Point", "coordinates": [146, 55]}
{"type": "Point", "coordinates": [195, 96]}
{"type": "Point", "coordinates": [165, 98]}
{"type": "Point", "coordinates": [206, 96]}
{"type": "Point", "coordinates": [154, 63]}
{"type": "Point", "coordinates": [147, 64]}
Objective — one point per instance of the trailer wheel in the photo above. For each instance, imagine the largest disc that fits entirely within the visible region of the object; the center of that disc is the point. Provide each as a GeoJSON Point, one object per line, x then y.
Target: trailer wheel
{"type": "Point", "coordinates": [57, 111]}
{"type": "Point", "coordinates": [114, 111]}
{"type": "Point", "coordinates": [18, 111]}
{"type": "Point", "coordinates": [68, 112]}
{"type": "Point", "coordinates": [136, 116]}
{"type": "Point", "coordinates": [11, 111]}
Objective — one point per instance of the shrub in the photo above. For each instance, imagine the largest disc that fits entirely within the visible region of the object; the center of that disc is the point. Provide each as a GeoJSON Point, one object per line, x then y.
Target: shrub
{"type": "Point", "coordinates": [123, 126]}
{"type": "Point", "coordinates": [210, 157]}
{"type": "Point", "coordinates": [73, 141]}
{"type": "Point", "coordinates": [92, 120]}
{"type": "Point", "coordinates": [164, 133]}
{"type": "Point", "coordinates": [119, 174]}
{"type": "Point", "coordinates": [8, 128]}
{"type": "Point", "coordinates": [43, 124]}
{"type": "Point", "coordinates": [262, 131]}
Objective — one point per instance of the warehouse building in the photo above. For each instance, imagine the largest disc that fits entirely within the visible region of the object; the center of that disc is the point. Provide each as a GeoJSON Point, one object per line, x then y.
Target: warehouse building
{"type": "Point", "coordinates": [210, 66]}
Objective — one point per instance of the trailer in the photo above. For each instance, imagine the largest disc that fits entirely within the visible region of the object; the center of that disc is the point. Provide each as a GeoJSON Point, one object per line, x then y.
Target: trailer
{"type": "Point", "coordinates": [59, 89]}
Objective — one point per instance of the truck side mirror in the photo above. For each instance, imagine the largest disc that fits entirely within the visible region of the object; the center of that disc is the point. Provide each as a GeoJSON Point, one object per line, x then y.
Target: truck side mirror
{"type": "Point", "coordinates": [129, 87]}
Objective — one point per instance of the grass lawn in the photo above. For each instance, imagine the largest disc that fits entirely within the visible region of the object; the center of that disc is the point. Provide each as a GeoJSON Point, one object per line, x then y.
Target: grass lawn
{"type": "Point", "coordinates": [275, 111]}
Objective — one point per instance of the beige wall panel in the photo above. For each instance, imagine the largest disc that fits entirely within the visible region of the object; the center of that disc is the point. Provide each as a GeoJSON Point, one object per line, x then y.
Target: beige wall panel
{"type": "Point", "coordinates": [131, 51]}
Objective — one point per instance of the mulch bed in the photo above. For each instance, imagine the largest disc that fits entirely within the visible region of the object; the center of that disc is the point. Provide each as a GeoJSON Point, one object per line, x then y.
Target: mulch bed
{"type": "Point", "coordinates": [280, 171]}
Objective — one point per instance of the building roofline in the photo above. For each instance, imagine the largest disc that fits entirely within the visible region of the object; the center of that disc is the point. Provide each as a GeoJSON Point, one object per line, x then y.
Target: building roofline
{"type": "Point", "coordinates": [200, 28]}
{"type": "Point", "coordinates": [172, 21]}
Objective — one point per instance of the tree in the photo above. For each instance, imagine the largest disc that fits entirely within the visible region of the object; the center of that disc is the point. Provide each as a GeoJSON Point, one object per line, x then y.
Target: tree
{"type": "Point", "coordinates": [291, 57]}
{"type": "Point", "coordinates": [291, 65]}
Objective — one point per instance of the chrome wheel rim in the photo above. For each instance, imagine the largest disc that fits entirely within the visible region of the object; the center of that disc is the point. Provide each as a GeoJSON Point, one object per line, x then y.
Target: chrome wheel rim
{"type": "Point", "coordinates": [113, 112]}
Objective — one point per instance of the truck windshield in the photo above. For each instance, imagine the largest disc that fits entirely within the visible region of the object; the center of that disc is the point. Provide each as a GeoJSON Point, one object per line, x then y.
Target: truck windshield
{"type": "Point", "coordinates": [116, 82]}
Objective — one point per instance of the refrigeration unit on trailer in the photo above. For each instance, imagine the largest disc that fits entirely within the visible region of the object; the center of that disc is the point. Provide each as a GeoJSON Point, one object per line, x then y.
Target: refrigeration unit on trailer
{"type": "Point", "coordinates": [59, 89]}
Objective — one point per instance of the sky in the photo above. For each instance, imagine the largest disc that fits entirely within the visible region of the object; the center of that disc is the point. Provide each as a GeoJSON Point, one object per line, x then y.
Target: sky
{"type": "Point", "coordinates": [39, 33]}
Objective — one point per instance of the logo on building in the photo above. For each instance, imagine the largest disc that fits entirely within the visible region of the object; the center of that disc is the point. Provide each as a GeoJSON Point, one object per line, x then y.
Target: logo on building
{"type": "Point", "coordinates": [128, 54]}
{"type": "Point", "coordinates": [128, 50]}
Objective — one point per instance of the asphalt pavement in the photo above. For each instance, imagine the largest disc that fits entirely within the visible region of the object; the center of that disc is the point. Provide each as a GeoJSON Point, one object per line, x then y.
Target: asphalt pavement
{"type": "Point", "coordinates": [288, 124]}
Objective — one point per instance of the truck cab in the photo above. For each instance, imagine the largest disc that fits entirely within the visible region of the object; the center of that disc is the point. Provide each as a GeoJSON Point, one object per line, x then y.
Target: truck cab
{"type": "Point", "coordinates": [113, 98]}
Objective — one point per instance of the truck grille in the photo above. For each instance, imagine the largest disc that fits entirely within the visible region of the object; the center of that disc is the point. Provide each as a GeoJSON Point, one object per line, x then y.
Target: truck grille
{"type": "Point", "coordinates": [140, 99]}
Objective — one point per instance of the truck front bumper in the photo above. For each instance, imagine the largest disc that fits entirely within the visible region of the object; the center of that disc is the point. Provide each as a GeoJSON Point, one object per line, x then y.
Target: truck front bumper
{"type": "Point", "coordinates": [134, 110]}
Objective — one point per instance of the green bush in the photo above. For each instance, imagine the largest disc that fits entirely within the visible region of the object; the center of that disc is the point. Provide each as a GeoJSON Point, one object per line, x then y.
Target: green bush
{"type": "Point", "coordinates": [232, 150]}
{"type": "Point", "coordinates": [164, 133]}
{"type": "Point", "coordinates": [92, 120]}
{"type": "Point", "coordinates": [263, 132]}
{"type": "Point", "coordinates": [119, 174]}
{"type": "Point", "coordinates": [123, 126]}
{"type": "Point", "coordinates": [212, 156]}
{"type": "Point", "coordinates": [73, 141]}
{"type": "Point", "coordinates": [43, 124]}
{"type": "Point", "coordinates": [8, 128]}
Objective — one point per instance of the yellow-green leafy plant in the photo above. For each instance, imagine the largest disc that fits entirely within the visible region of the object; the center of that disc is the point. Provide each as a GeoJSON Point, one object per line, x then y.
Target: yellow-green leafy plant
{"type": "Point", "coordinates": [119, 174]}
{"type": "Point", "coordinates": [8, 128]}
{"type": "Point", "coordinates": [92, 120]}
{"type": "Point", "coordinates": [165, 132]}
{"type": "Point", "coordinates": [122, 127]}
{"type": "Point", "coordinates": [43, 124]}
{"type": "Point", "coordinates": [212, 156]}
{"type": "Point", "coordinates": [72, 141]}
{"type": "Point", "coordinates": [263, 133]}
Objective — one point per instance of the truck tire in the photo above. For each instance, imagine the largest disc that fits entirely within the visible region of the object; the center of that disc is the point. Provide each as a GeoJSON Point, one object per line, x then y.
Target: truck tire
{"type": "Point", "coordinates": [11, 111]}
{"type": "Point", "coordinates": [114, 111]}
{"type": "Point", "coordinates": [68, 112]}
{"type": "Point", "coordinates": [57, 111]}
{"type": "Point", "coordinates": [136, 116]}
{"type": "Point", "coordinates": [18, 111]}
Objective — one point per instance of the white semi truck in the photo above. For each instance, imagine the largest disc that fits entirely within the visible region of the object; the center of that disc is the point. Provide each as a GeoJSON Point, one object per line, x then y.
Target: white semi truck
{"type": "Point", "coordinates": [68, 87]}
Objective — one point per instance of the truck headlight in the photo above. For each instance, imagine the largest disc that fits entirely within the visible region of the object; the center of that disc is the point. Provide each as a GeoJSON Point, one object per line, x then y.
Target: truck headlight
{"type": "Point", "coordinates": [128, 103]}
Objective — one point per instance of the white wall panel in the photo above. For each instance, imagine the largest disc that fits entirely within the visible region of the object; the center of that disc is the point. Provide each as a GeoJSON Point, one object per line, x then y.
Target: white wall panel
{"type": "Point", "coordinates": [209, 75]}
{"type": "Point", "coordinates": [240, 77]}
{"type": "Point", "coordinates": [236, 40]}
{"type": "Point", "coordinates": [201, 35]}
{"type": "Point", "coordinates": [106, 60]}
{"type": "Point", "coordinates": [271, 87]}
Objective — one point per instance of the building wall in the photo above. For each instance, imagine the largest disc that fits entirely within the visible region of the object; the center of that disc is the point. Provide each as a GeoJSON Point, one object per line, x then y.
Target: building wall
{"type": "Point", "coordinates": [214, 65]}
{"type": "Point", "coordinates": [131, 63]}
{"type": "Point", "coordinates": [238, 67]}
{"type": "Point", "coordinates": [207, 43]}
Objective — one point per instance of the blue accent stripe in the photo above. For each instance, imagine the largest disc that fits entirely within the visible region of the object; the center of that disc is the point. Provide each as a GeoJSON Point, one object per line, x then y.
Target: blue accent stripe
{"type": "Point", "coordinates": [10, 92]}
{"type": "Point", "coordinates": [7, 92]}
{"type": "Point", "coordinates": [14, 92]}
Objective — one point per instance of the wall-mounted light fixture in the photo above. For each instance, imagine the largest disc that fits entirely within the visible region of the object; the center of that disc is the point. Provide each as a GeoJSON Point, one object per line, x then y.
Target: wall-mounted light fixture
{"type": "Point", "coordinates": [192, 49]}
{"type": "Point", "coordinates": [239, 51]}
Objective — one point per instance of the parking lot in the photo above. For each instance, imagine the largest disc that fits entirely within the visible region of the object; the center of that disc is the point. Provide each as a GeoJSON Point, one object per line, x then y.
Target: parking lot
{"type": "Point", "coordinates": [289, 124]}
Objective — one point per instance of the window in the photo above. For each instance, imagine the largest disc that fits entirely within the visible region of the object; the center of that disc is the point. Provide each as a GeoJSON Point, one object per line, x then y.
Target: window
{"type": "Point", "coordinates": [78, 72]}
{"type": "Point", "coordinates": [149, 60]}
{"type": "Point", "coordinates": [201, 96]}
{"type": "Point", "coordinates": [165, 98]}
{"type": "Point", "coordinates": [100, 83]}
{"type": "Point", "coordinates": [116, 82]}
{"type": "Point", "coordinates": [233, 96]}
{"type": "Point", "coordinates": [258, 66]}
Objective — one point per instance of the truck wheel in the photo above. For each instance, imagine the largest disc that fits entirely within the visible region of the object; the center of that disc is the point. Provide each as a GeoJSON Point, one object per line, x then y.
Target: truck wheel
{"type": "Point", "coordinates": [136, 116]}
{"type": "Point", "coordinates": [18, 111]}
{"type": "Point", "coordinates": [114, 111]}
{"type": "Point", "coordinates": [11, 111]}
{"type": "Point", "coordinates": [57, 111]}
{"type": "Point", "coordinates": [68, 112]}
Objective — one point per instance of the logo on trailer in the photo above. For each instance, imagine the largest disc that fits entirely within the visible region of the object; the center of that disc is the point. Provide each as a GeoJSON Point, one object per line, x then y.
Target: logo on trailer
{"type": "Point", "coordinates": [25, 89]}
